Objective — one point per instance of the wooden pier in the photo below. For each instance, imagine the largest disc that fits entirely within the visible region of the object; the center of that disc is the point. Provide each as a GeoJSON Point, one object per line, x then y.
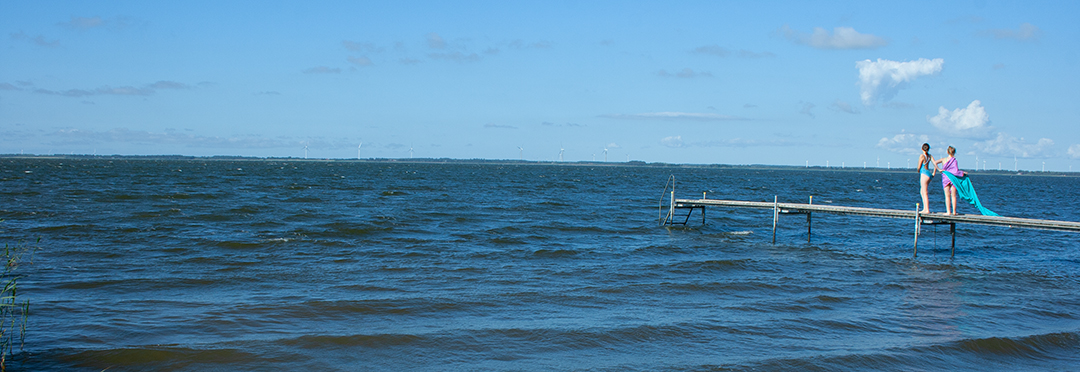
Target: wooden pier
{"type": "Point", "coordinates": [918, 219]}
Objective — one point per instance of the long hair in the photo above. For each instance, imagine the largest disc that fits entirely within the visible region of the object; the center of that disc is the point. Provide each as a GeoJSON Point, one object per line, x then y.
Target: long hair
{"type": "Point", "coordinates": [926, 155]}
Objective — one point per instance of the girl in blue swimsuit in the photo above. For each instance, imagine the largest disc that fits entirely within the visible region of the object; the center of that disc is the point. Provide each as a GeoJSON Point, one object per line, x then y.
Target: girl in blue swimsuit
{"type": "Point", "coordinates": [925, 175]}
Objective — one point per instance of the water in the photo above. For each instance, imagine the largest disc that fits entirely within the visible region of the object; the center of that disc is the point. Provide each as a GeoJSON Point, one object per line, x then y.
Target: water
{"type": "Point", "coordinates": [307, 265]}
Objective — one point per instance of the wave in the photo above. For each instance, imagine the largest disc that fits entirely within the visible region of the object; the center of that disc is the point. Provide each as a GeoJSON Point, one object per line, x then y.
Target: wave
{"type": "Point", "coordinates": [1052, 351]}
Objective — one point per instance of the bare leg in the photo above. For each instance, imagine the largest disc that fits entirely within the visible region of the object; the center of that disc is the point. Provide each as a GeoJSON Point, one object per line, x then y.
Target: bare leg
{"type": "Point", "coordinates": [952, 197]}
{"type": "Point", "coordinates": [925, 181]}
{"type": "Point", "coordinates": [947, 203]}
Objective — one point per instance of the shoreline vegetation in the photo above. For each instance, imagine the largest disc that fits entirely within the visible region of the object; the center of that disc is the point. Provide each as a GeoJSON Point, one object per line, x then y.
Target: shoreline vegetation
{"type": "Point", "coordinates": [632, 163]}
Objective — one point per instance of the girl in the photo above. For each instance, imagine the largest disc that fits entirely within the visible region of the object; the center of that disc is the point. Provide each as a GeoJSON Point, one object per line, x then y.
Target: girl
{"type": "Point", "coordinates": [949, 165]}
{"type": "Point", "coordinates": [925, 174]}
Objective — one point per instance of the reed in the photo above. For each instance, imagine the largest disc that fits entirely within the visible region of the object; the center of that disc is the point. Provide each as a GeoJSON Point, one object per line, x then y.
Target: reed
{"type": "Point", "coordinates": [13, 312]}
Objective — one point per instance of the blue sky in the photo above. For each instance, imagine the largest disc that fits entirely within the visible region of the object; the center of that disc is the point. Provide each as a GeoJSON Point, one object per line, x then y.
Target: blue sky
{"type": "Point", "coordinates": [772, 82]}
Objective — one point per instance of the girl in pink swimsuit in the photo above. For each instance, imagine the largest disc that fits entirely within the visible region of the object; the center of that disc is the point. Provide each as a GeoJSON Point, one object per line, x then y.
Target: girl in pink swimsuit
{"type": "Point", "coordinates": [950, 165]}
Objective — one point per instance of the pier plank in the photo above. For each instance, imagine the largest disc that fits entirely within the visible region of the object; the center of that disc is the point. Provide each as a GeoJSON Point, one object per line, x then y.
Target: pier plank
{"type": "Point", "coordinates": [931, 218]}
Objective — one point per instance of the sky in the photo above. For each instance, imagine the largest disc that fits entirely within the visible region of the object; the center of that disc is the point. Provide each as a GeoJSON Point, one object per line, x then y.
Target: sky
{"type": "Point", "coordinates": [833, 83]}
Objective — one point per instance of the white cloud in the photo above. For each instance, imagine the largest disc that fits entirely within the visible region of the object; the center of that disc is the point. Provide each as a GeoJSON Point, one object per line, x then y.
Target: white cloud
{"type": "Point", "coordinates": [883, 78]}
{"type": "Point", "coordinates": [841, 38]}
{"type": "Point", "coordinates": [1006, 145]}
{"type": "Point", "coordinates": [1026, 32]}
{"type": "Point", "coordinates": [969, 122]}
{"type": "Point", "coordinates": [904, 143]}
{"type": "Point", "coordinates": [675, 116]}
{"type": "Point", "coordinates": [673, 141]}
{"type": "Point", "coordinates": [612, 145]}
{"type": "Point", "coordinates": [1074, 151]}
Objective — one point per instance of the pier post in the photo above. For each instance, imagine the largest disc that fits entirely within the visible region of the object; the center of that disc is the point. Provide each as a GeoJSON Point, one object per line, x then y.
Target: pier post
{"type": "Point", "coordinates": [918, 224]}
{"type": "Point", "coordinates": [775, 216]}
{"type": "Point", "coordinates": [808, 220]}
{"type": "Point", "coordinates": [952, 231]}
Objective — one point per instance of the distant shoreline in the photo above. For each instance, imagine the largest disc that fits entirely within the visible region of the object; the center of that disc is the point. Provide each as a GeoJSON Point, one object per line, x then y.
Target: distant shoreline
{"type": "Point", "coordinates": [634, 163]}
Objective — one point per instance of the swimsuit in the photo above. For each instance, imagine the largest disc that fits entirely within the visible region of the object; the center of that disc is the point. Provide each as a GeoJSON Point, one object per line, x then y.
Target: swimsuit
{"type": "Point", "coordinates": [924, 168]}
{"type": "Point", "coordinates": [951, 167]}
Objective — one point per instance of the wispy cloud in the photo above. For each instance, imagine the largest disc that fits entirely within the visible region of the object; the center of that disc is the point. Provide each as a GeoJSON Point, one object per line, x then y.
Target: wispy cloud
{"type": "Point", "coordinates": [969, 122]}
{"type": "Point", "coordinates": [672, 141]}
{"type": "Point", "coordinates": [691, 116]}
{"type": "Point", "coordinates": [83, 23]}
{"type": "Point", "coordinates": [1026, 32]}
{"type": "Point", "coordinates": [743, 53]}
{"type": "Point", "coordinates": [678, 142]}
{"type": "Point", "coordinates": [904, 143]}
{"type": "Point", "coordinates": [360, 61]}
{"type": "Point", "coordinates": [144, 90]}
{"type": "Point", "coordinates": [361, 46]}
{"type": "Point", "coordinates": [455, 56]}
{"type": "Point", "coordinates": [883, 78]}
{"type": "Point", "coordinates": [1006, 145]}
{"type": "Point", "coordinates": [719, 51]}
{"type": "Point", "coordinates": [550, 124]}
{"type": "Point", "coordinates": [712, 50]}
{"type": "Point", "coordinates": [1074, 151]}
{"type": "Point", "coordinates": [521, 44]}
{"type": "Point", "coordinates": [807, 106]}
{"type": "Point", "coordinates": [843, 107]}
{"type": "Point", "coordinates": [686, 73]}
{"type": "Point", "coordinates": [169, 137]}
{"type": "Point", "coordinates": [435, 41]}
{"type": "Point", "coordinates": [840, 38]}
{"type": "Point", "coordinates": [38, 40]}
{"type": "Point", "coordinates": [499, 126]}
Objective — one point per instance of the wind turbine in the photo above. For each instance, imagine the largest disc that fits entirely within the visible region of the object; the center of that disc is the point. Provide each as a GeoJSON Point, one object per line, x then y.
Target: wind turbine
{"type": "Point", "coordinates": [410, 151]}
{"type": "Point", "coordinates": [305, 151]}
{"type": "Point", "coordinates": [561, 150]}
{"type": "Point", "coordinates": [521, 153]}
{"type": "Point", "coordinates": [605, 154]}
{"type": "Point", "coordinates": [358, 150]}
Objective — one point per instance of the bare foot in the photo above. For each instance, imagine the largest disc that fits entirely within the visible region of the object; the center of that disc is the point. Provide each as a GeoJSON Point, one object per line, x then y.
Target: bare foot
{"type": "Point", "coordinates": [925, 211]}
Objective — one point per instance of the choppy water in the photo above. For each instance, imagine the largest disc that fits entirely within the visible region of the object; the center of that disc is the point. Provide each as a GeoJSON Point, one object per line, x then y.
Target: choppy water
{"type": "Point", "coordinates": [297, 265]}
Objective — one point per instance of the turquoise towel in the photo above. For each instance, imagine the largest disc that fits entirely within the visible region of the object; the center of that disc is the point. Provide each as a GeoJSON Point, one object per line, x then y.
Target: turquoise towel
{"type": "Point", "coordinates": [966, 191]}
